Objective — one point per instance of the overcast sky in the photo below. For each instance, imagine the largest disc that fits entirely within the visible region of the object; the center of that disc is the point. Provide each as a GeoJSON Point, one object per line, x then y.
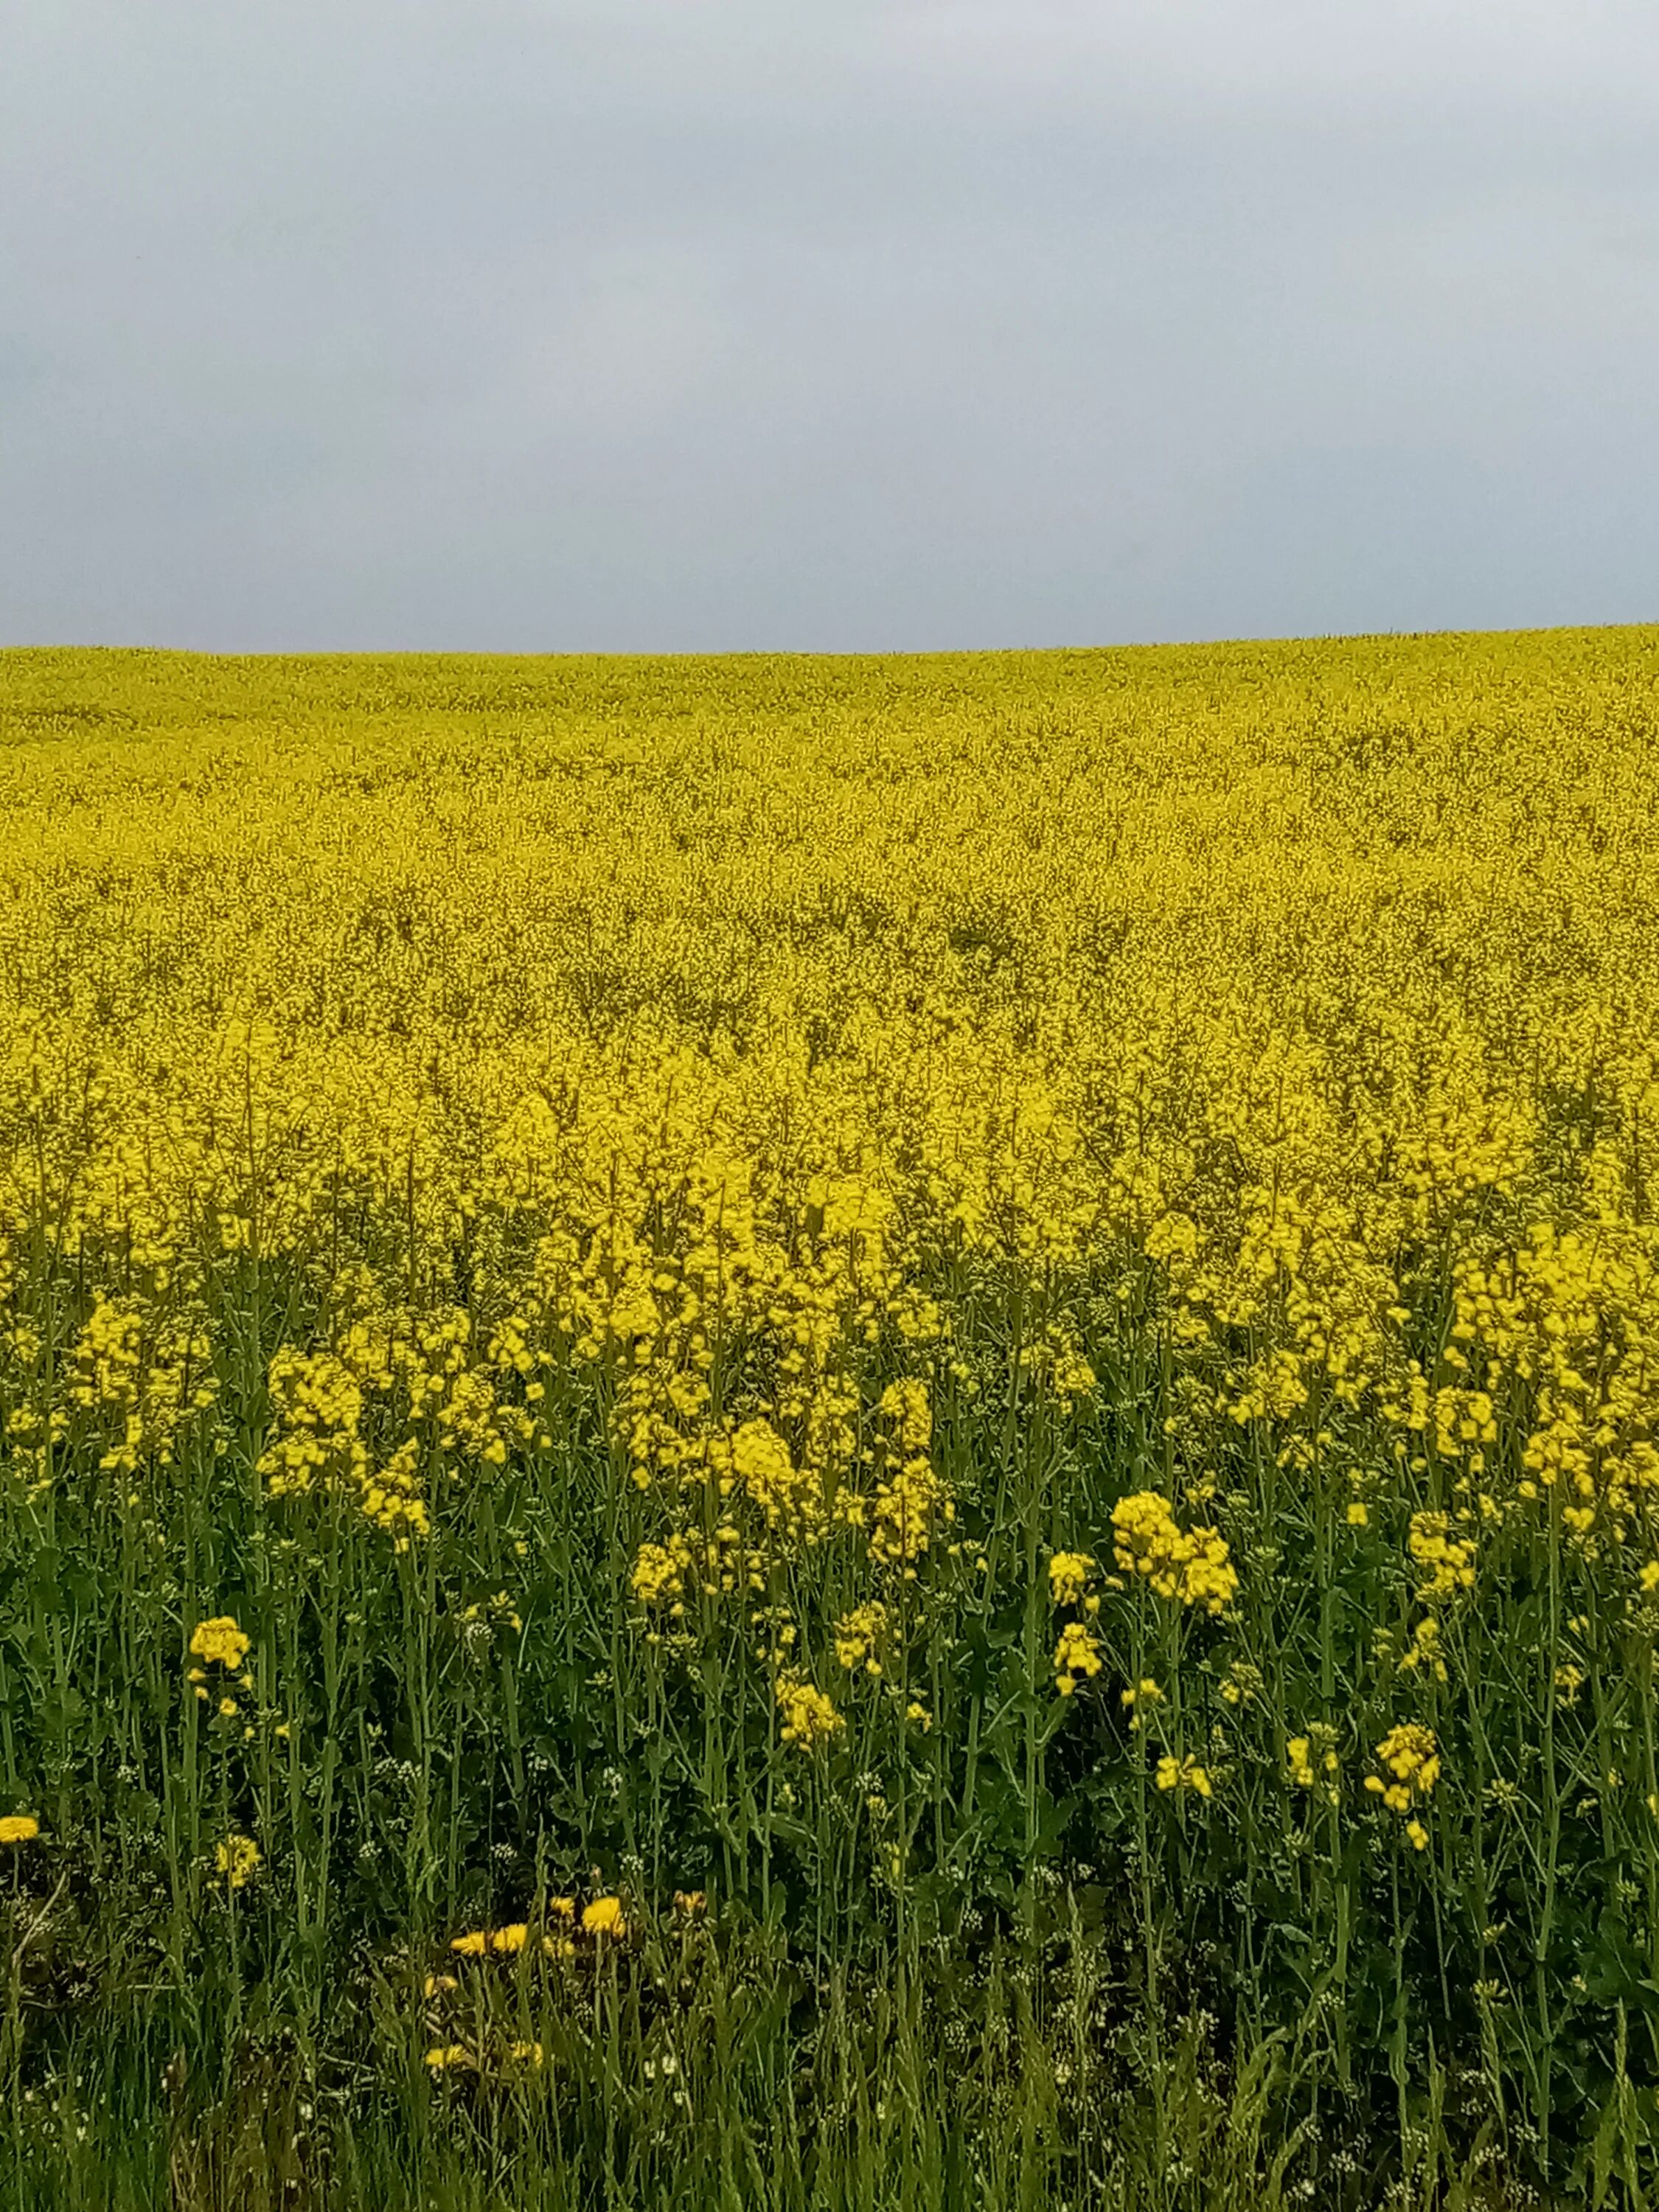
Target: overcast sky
{"type": "Point", "coordinates": [675, 324]}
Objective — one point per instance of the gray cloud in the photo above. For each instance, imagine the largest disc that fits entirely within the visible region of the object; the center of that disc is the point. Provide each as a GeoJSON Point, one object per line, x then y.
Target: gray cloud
{"type": "Point", "coordinates": [676, 323]}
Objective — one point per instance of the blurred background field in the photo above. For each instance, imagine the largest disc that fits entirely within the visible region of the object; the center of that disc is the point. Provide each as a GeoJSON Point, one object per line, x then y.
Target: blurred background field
{"type": "Point", "coordinates": [831, 1431]}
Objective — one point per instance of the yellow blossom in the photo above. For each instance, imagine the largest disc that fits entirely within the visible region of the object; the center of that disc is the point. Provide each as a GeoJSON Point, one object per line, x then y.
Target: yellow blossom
{"type": "Point", "coordinates": [1183, 1774]}
{"type": "Point", "coordinates": [810, 1718]}
{"type": "Point", "coordinates": [238, 1860]}
{"type": "Point", "coordinates": [1193, 1568]}
{"type": "Point", "coordinates": [220, 1641]}
{"type": "Point", "coordinates": [1068, 1577]}
{"type": "Point", "coordinates": [1077, 1654]}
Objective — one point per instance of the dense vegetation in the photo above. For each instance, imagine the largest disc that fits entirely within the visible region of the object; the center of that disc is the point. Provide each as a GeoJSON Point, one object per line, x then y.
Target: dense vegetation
{"type": "Point", "coordinates": [831, 1432]}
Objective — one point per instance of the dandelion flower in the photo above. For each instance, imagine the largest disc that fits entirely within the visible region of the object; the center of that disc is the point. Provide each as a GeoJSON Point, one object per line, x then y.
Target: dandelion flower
{"type": "Point", "coordinates": [604, 1918]}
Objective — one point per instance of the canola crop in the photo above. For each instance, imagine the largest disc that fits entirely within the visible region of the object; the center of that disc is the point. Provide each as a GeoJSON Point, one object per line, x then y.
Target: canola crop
{"type": "Point", "coordinates": [908, 1294]}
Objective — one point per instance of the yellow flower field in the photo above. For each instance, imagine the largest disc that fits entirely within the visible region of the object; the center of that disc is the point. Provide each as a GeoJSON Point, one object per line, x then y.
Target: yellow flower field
{"type": "Point", "coordinates": [997, 1307]}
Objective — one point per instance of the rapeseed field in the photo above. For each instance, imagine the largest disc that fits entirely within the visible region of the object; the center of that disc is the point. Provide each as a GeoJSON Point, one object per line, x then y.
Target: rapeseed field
{"type": "Point", "coordinates": [848, 1432]}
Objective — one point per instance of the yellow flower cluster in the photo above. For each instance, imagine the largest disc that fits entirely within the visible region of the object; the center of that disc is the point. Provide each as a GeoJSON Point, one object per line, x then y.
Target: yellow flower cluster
{"type": "Point", "coordinates": [602, 1916]}
{"type": "Point", "coordinates": [1077, 1656]}
{"type": "Point", "coordinates": [1446, 1562]}
{"type": "Point", "coordinates": [1425, 1651]}
{"type": "Point", "coordinates": [906, 1403]}
{"type": "Point", "coordinates": [390, 1496]}
{"type": "Point", "coordinates": [220, 1643]}
{"type": "Point", "coordinates": [1314, 1764]}
{"type": "Point", "coordinates": [142, 1376]}
{"type": "Point", "coordinates": [905, 1509]}
{"type": "Point", "coordinates": [1193, 1568]}
{"type": "Point", "coordinates": [858, 1635]}
{"type": "Point", "coordinates": [1183, 1774]}
{"type": "Point", "coordinates": [517, 2051]}
{"type": "Point", "coordinates": [507, 1941]}
{"type": "Point", "coordinates": [659, 1570]}
{"type": "Point", "coordinates": [1069, 1573]}
{"type": "Point", "coordinates": [238, 1859]}
{"type": "Point", "coordinates": [1410, 1758]}
{"type": "Point", "coordinates": [809, 1719]}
